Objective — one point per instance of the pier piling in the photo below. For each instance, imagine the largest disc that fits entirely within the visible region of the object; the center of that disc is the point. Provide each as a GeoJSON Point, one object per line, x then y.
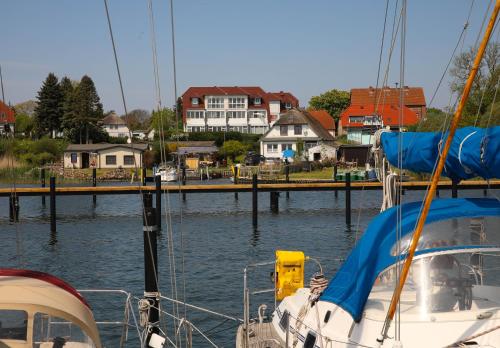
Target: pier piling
{"type": "Point", "coordinates": [144, 174]}
{"type": "Point", "coordinates": [287, 179]}
{"type": "Point", "coordinates": [150, 258]}
{"type": "Point", "coordinates": [158, 201]}
{"type": "Point", "coordinates": [94, 184]}
{"type": "Point", "coordinates": [348, 198]}
{"type": "Point", "coordinates": [52, 204]}
{"type": "Point", "coordinates": [236, 173]}
{"type": "Point", "coordinates": [274, 197]}
{"type": "Point", "coordinates": [335, 169]}
{"type": "Point", "coordinates": [42, 182]}
{"type": "Point", "coordinates": [254, 200]}
{"type": "Point", "coordinates": [183, 180]}
{"type": "Point", "coordinates": [14, 208]}
{"type": "Point", "coordinates": [454, 189]}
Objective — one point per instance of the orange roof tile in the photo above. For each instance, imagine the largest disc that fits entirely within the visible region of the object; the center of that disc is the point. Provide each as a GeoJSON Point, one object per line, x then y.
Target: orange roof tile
{"type": "Point", "coordinates": [6, 114]}
{"type": "Point", "coordinates": [323, 117]}
{"type": "Point", "coordinates": [413, 96]}
{"type": "Point", "coordinates": [389, 113]}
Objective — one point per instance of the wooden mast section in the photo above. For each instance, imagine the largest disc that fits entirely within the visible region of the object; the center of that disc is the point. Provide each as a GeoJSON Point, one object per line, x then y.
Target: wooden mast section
{"type": "Point", "coordinates": [437, 174]}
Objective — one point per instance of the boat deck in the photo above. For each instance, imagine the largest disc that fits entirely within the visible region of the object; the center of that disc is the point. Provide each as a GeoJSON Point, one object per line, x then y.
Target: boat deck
{"type": "Point", "coordinates": [261, 336]}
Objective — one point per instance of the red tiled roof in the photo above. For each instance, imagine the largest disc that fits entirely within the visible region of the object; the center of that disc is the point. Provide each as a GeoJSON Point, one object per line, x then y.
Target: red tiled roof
{"type": "Point", "coordinates": [413, 96]}
{"type": "Point", "coordinates": [389, 113]}
{"type": "Point", "coordinates": [7, 115]}
{"type": "Point", "coordinates": [284, 97]}
{"type": "Point", "coordinates": [323, 117]}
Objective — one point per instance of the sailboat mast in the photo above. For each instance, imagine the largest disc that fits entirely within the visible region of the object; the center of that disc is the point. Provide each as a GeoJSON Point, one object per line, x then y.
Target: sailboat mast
{"type": "Point", "coordinates": [437, 174]}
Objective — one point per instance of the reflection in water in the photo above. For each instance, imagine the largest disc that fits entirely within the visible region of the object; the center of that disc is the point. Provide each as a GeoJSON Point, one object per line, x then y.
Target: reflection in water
{"type": "Point", "coordinates": [254, 241]}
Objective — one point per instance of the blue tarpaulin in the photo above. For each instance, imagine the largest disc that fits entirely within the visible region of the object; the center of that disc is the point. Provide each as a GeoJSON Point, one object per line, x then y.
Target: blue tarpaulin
{"type": "Point", "coordinates": [352, 284]}
{"type": "Point", "coordinates": [474, 152]}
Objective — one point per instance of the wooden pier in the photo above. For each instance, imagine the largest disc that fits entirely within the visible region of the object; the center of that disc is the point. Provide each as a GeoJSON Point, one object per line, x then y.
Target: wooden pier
{"type": "Point", "coordinates": [218, 188]}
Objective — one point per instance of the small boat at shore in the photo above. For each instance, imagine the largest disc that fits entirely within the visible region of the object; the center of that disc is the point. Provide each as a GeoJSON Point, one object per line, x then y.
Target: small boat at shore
{"type": "Point", "coordinates": [167, 174]}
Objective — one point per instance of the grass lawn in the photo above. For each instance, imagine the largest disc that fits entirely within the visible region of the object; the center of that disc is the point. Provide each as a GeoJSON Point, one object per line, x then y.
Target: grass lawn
{"type": "Point", "coordinates": [325, 173]}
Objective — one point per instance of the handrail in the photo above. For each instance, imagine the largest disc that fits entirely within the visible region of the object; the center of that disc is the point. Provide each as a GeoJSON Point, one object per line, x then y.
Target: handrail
{"type": "Point", "coordinates": [437, 174]}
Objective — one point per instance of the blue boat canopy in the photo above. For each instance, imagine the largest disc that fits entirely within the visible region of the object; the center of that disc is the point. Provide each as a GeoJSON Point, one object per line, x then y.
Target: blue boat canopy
{"type": "Point", "coordinates": [374, 252]}
{"type": "Point", "coordinates": [474, 152]}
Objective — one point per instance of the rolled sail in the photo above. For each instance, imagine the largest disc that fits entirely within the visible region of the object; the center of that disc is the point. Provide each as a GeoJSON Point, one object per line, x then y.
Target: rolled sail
{"type": "Point", "coordinates": [474, 152]}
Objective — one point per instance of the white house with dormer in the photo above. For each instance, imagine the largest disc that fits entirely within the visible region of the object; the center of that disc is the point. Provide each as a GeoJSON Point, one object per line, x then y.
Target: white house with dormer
{"type": "Point", "coordinates": [115, 126]}
{"type": "Point", "coordinates": [295, 130]}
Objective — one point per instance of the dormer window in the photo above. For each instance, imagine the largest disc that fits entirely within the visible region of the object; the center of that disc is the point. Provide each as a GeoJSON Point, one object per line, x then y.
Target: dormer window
{"type": "Point", "coordinates": [194, 101]}
{"type": "Point", "coordinates": [257, 101]}
{"type": "Point", "coordinates": [288, 105]}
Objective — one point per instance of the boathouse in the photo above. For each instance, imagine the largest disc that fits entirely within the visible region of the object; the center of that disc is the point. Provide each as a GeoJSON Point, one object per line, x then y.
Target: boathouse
{"type": "Point", "coordinates": [100, 156]}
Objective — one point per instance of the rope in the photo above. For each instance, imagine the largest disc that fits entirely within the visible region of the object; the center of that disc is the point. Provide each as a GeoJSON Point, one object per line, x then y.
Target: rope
{"type": "Point", "coordinates": [463, 342]}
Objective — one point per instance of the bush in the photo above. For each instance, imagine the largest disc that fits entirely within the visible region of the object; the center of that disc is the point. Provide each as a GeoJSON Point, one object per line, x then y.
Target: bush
{"type": "Point", "coordinates": [34, 152]}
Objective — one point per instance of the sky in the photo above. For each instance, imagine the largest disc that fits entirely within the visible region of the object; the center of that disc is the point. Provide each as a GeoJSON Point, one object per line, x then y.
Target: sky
{"type": "Point", "coordinates": [304, 47]}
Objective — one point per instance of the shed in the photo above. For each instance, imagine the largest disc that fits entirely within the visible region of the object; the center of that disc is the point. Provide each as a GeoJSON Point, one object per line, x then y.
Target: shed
{"type": "Point", "coordinates": [104, 155]}
{"type": "Point", "coordinates": [322, 152]}
{"type": "Point", "coordinates": [355, 153]}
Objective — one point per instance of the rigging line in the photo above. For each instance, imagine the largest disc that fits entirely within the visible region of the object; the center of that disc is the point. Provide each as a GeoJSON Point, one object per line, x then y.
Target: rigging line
{"type": "Point", "coordinates": [155, 271]}
{"type": "Point", "coordinates": [465, 35]}
{"type": "Point", "coordinates": [174, 70]}
{"type": "Point", "coordinates": [1, 84]}
{"type": "Point", "coordinates": [381, 50]}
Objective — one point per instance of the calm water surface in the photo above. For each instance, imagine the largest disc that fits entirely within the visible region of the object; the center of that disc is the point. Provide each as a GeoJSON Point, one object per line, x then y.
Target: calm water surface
{"type": "Point", "coordinates": [102, 246]}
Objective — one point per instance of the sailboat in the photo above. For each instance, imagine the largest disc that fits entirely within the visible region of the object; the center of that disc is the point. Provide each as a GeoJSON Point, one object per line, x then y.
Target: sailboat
{"type": "Point", "coordinates": [424, 274]}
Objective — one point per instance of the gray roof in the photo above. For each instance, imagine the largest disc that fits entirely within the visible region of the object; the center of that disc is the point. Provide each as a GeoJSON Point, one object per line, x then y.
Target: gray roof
{"type": "Point", "coordinates": [298, 117]}
{"type": "Point", "coordinates": [196, 149]}
{"type": "Point", "coordinates": [113, 119]}
{"type": "Point", "coordinates": [103, 146]}
{"type": "Point", "coordinates": [194, 143]}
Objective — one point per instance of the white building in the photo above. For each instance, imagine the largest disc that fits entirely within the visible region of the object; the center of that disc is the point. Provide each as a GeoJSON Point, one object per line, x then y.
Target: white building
{"type": "Point", "coordinates": [115, 126]}
{"type": "Point", "coordinates": [296, 130]}
{"type": "Point", "coordinates": [240, 109]}
{"type": "Point", "coordinates": [104, 155]}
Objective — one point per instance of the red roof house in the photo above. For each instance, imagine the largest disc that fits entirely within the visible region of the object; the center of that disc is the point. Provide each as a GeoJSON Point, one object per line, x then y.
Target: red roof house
{"type": "Point", "coordinates": [7, 118]}
{"type": "Point", "coordinates": [244, 109]}
{"type": "Point", "coordinates": [325, 119]}
{"type": "Point", "coordinates": [359, 122]}
{"type": "Point", "coordinates": [413, 97]}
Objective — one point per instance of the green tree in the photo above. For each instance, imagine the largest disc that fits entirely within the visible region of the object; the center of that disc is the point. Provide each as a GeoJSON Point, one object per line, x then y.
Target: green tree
{"type": "Point", "coordinates": [83, 113]}
{"type": "Point", "coordinates": [163, 122]}
{"type": "Point", "coordinates": [24, 124]}
{"type": "Point", "coordinates": [27, 107]}
{"type": "Point", "coordinates": [333, 101]}
{"type": "Point", "coordinates": [137, 119]}
{"type": "Point", "coordinates": [49, 110]}
{"type": "Point", "coordinates": [233, 148]}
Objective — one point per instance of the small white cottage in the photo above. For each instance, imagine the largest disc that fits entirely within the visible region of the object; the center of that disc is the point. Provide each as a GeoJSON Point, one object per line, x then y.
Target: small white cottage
{"type": "Point", "coordinates": [115, 126]}
{"type": "Point", "coordinates": [295, 130]}
{"type": "Point", "coordinates": [78, 156]}
{"type": "Point", "coordinates": [322, 152]}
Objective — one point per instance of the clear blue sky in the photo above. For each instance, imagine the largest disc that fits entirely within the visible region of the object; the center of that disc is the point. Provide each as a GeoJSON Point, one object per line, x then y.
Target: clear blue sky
{"type": "Point", "coordinates": [305, 47]}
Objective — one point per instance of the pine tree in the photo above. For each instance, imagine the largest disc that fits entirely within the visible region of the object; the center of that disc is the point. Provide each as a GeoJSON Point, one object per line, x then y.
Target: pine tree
{"type": "Point", "coordinates": [49, 111]}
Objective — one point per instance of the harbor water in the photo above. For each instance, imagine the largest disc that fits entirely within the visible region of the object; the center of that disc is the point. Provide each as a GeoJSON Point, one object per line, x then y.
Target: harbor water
{"type": "Point", "coordinates": [101, 247]}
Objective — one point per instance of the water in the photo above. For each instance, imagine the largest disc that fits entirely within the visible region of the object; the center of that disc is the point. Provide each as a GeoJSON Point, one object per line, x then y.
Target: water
{"type": "Point", "coordinates": [102, 247]}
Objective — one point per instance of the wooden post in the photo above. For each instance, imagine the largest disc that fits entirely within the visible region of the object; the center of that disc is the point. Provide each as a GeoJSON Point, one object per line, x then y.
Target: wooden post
{"type": "Point", "coordinates": [254, 200]}
{"type": "Point", "coordinates": [42, 181]}
{"type": "Point", "coordinates": [236, 173]}
{"type": "Point", "coordinates": [183, 180]}
{"type": "Point", "coordinates": [52, 204]}
{"type": "Point", "coordinates": [454, 189]}
{"type": "Point", "coordinates": [287, 178]}
{"type": "Point", "coordinates": [150, 257]}
{"type": "Point", "coordinates": [335, 170]}
{"type": "Point", "coordinates": [348, 198]}
{"type": "Point", "coordinates": [144, 174]}
{"type": "Point", "coordinates": [158, 201]}
{"type": "Point", "coordinates": [274, 197]}
{"type": "Point", "coordinates": [14, 208]}
{"type": "Point", "coordinates": [94, 184]}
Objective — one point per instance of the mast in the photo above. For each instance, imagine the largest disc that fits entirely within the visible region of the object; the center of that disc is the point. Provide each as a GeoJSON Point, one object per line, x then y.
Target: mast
{"type": "Point", "coordinates": [437, 174]}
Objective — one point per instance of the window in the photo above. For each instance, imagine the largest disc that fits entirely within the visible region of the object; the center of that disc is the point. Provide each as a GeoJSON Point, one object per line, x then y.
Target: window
{"type": "Point", "coordinates": [128, 160]}
{"type": "Point", "coordinates": [236, 102]}
{"type": "Point", "coordinates": [195, 114]}
{"type": "Point", "coordinates": [110, 159]}
{"type": "Point", "coordinates": [215, 103]}
{"type": "Point", "coordinates": [297, 129]}
{"type": "Point", "coordinates": [284, 320]}
{"type": "Point", "coordinates": [215, 114]}
{"type": "Point", "coordinates": [256, 114]}
{"type": "Point", "coordinates": [258, 129]}
{"type": "Point", "coordinates": [257, 101]}
{"type": "Point", "coordinates": [74, 157]}
{"type": "Point", "coordinates": [216, 129]}
{"type": "Point", "coordinates": [356, 118]}
{"type": "Point", "coordinates": [242, 129]}
{"type": "Point", "coordinates": [284, 130]}
{"type": "Point", "coordinates": [14, 324]}
{"type": "Point", "coordinates": [288, 105]}
{"type": "Point", "coordinates": [194, 101]}
{"type": "Point", "coordinates": [195, 129]}
{"type": "Point", "coordinates": [236, 114]}
{"type": "Point", "coordinates": [272, 147]}
{"type": "Point", "coordinates": [286, 147]}
{"type": "Point", "coordinates": [310, 340]}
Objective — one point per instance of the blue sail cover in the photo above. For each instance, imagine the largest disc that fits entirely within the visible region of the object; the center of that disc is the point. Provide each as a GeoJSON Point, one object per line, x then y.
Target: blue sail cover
{"type": "Point", "coordinates": [353, 282]}
{"type": "Point", "coordinates": [474, 152]}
